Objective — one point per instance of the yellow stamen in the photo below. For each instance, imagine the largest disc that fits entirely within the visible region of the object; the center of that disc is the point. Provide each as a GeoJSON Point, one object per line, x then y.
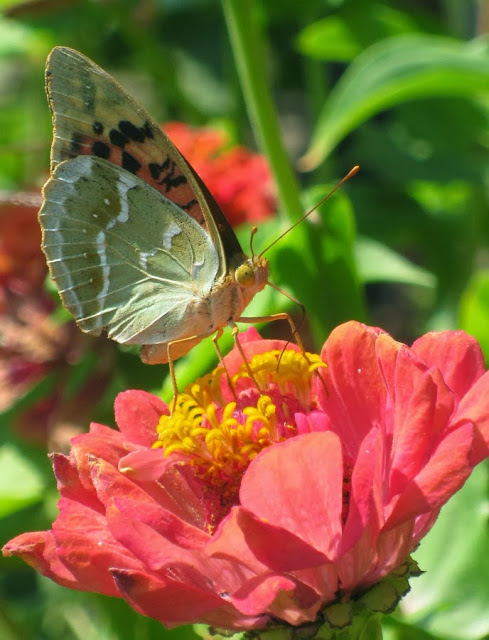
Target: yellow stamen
{"type": "Point", "coordinates": [220, 440]}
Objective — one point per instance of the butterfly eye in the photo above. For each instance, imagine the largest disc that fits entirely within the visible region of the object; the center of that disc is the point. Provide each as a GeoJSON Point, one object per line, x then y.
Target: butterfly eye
{"type": "Point", "coordinates": [245, 275]}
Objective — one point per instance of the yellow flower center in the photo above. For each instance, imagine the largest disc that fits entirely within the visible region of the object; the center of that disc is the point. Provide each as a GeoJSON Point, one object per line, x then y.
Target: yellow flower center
{"type": "Point", "coordinates": [221, 438]}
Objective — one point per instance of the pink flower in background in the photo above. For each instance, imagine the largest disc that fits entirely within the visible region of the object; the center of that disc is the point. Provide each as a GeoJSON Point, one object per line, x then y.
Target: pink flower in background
{"type": "Point", "coordinates": [239, 179]}
{"type": "Point", "coordinates": [247, 510]}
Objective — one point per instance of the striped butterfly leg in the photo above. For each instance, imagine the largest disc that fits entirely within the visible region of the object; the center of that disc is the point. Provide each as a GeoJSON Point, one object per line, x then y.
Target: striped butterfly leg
{"type": "Point", "coordinates": [220, 357]}
{"type": "Point", "coordinates": [272, 318]}
{"type": "Point", "coordinates": [239, 347]}
{"type": "Point", "coordinates": [176, 347]}
{"type": "Point", "coordinates": [294, 330]}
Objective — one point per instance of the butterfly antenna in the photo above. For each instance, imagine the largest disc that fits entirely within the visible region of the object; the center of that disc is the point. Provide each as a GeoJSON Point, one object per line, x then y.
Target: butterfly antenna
{"type": "Point", "coordinates": [349, 175]}
{"type": "Point", "coordinates": [253, 233]}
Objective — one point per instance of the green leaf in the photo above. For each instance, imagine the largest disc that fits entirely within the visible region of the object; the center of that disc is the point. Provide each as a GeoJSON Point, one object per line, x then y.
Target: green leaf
{"type": "Point", "coordinates": [328, 39]}
{"type": "Point", "coordinates": [342, 36]}
{"type": "Point", "coordinates": [21, 483]}
{"type": "Point", "coordinates": [378, 263]}
{"type": "Point", "coordinates": [391, 72]}
{"type": "Point", "coordinates": [474, 309]}
{"type": "Point", "coordinates": [17, 39]}
{"type": "Point", "coordinates": [450, 598]}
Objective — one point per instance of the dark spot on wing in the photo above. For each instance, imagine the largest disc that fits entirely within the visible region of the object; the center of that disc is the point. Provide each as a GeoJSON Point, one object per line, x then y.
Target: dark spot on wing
{"type": "Point", "coordinates": [130, 163]}
{"type": "Point", "coordinates": [118, 138]}
{"type": "Point", "coordinates": [189, 205]}
{"type": "Point", "coordinates": [171, 183]}
{"type": "Point", "coordinates": [98, 127]}
{"type": "Point", "coordinates": [76, 143]}
{"type": "Point", "coordinates": [155, 170]}
{"type": "Point", "coordinates": [101, 150]}
{"type": "Point", "coordinates": [131, 131]}
{"type": "Point", "coordinates": [147, 130]}
{"type": "Point", "coordinates": [170, 180]}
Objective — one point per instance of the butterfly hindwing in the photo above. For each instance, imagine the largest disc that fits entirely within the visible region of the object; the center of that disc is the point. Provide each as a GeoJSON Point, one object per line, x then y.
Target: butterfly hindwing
{"type": "Point", "coordinates": [128, 262]}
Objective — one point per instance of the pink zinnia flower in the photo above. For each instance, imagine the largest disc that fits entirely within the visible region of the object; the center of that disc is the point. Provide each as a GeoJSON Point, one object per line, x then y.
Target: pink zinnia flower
{"type": "Point", "coordinates": [256, 510]}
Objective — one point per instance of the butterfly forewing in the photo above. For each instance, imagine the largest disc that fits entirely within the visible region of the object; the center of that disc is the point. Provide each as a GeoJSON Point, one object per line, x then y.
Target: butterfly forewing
{"type": "Point", "coordinates": [93, 115]}
{"type": "Point", "coordinates": [127, 261]}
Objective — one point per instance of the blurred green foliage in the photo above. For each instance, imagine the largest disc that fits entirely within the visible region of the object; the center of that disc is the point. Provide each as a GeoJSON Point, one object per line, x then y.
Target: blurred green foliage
{"type": "Point", "coordinates": [400, 88]}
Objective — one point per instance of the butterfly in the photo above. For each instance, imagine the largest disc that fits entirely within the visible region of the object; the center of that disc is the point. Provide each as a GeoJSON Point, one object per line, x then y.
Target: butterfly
{"type": "Point", "coordinates": [135, 243]}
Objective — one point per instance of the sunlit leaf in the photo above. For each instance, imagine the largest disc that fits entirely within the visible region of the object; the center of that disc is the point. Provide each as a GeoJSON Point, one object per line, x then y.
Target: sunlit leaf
{"type": "Point", "coordinates": [450, 599]}
{"type": "Point", "coordinates": [378, 263]}
{"type": "Point", "coordinates": [394, 71]}
{"type": "Point", "coordinates": [343, 35]}
{"type": "Point", "coordinates": [21, 483]}
{"type": "Point", "coordinates": [328, 39]}
{"type": "Point", "coordinates": [474, 309]}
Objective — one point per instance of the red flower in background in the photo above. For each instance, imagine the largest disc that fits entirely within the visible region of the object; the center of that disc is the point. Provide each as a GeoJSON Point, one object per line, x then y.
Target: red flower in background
{"type": "Point", "coordinates": [22, 263]}
{"type": "Point", "coordinates": [239, 179]}
{"type": "Point", "coordinates": [248, 510]}
{"type": "Point", "coordinates": [33, 344]}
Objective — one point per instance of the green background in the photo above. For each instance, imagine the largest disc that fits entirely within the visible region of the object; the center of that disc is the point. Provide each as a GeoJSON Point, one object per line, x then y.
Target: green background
{"type": "Point", "coordinates": [400, 88]}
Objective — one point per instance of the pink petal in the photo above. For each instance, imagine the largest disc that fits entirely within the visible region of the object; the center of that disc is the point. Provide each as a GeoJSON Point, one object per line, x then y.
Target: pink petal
{"type": "Point", "coordinates": [456, 354]}
{"type": "Point", "coordinates": [279, 596]}
{"type": "Point", "coordinates": [69, 484]}
{"type": "Point", "coordinates": [146, 465]}
{"type": "Point", "coordinates": [172, 492]}
{"type": "Point", "coordinates": [229, 543]}
{"type": "Point", "coordinates": [100, 443]}
{"type": "Point", "coordinates": [137, 414]}
{"type": "Point", "coordinates": [38, 549]}
{"type": "Point", "coordinates": [175, 603]}
{"type": "Point", "coordinates": [313, 421]}
{"type": "Point", "coordinates": [365, 512]}
{"type": "Point", "coordinates": [158, 538]}
{"type": "Point", "coordinates": [296, 485]}
{"type": "Point", "coordinates": [413, 433]}
{"type": "Point", "coordinates": [355, 383]}
{"type": "Point", "coordinates": [474, 407]}
{"type": "Point", "coordinates": [444, 474]}
{"type": "Point", "coordinates": [276, 548]}
{"type": "Point", "coordinates": [85, 546]}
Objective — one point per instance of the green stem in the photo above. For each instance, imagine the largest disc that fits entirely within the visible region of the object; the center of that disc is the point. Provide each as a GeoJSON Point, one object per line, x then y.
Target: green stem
{"type": "Point", "coordinates": [249, 52]}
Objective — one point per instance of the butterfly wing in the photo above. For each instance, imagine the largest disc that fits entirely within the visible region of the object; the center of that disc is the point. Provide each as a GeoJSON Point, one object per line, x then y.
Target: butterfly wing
{"type": "Point", "coordinates": [128, 262]}
{"type": "Point", "coordinates": [93, 115]}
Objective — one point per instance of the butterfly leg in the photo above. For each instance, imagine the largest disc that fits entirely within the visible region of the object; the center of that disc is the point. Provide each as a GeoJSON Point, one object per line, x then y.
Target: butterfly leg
{"type": "Point", "coordinates": [220, 357]}
{"type": "Point", "coordinates": [272, 318]}
{"type": "Point", "coordinates": [295, 333]}
{"type": "Point", "coordinates": [174, 350]}
{"type": "Point", "coordinates": [235, 331]}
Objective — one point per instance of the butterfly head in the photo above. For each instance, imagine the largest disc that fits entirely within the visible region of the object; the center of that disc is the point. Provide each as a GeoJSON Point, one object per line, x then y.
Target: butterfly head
{"type": "Point", "coordinates": [252, 275]}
